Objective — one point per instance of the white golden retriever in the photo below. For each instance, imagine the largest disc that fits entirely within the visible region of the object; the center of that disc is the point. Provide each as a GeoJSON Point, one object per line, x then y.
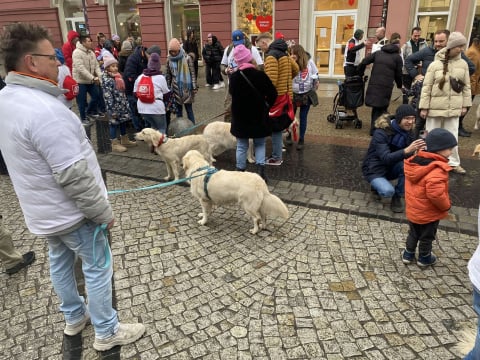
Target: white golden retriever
{"type": "Point", "coordinates": [173, 149]}
{"type": "Point", "coordinates": [220, 139]}
{"type": "Point", "coordinates": [245, 188]}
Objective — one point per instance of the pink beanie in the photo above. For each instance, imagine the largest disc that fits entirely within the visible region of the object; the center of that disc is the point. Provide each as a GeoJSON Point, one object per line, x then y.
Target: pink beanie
{"type": "Point", "coordinates": [108, 60]}
{"type": "Point", "coordinates": [174, 44]}
{"type": "Point", "coordinates": [242, 55]}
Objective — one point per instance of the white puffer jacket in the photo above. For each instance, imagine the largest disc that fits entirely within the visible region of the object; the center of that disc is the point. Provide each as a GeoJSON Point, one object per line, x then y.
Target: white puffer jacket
{"type": "Point", "coordinates": [85, 65]}
{"type": "Point", "coordinates": [445, 102]}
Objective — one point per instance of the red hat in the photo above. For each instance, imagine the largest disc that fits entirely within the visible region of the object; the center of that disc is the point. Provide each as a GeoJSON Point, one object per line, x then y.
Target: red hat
{"type": "Point", "coordinates": [279, 36]}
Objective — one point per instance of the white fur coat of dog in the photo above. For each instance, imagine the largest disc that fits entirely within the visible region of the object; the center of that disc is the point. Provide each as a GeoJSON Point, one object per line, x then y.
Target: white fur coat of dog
{"type": "Point", "coordinates": [245, 188]}
{"type": "Point", "coordinates": [173, 149]}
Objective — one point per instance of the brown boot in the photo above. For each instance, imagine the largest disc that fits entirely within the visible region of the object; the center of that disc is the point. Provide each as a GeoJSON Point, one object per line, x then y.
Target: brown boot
{"type": "Point", "coordinates": [125, 141]}
{"type": "Point", "coordinates": [117, 147]}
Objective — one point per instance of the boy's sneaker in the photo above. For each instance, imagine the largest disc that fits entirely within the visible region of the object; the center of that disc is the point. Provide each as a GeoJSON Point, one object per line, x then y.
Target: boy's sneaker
{"type": "Point", "coordinates": [126, 334]}
{"type": "Point", "coordinates": [74, 329]}
{"type": "Point", "coordinates": [274, 162]}
{"type": "Point", "coordinates": [407, 257]}
{"type": "Point", "coordinates": [427, 260]}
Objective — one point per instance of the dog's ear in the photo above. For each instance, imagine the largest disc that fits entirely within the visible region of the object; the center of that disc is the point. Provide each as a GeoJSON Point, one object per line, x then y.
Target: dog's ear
{"type": "Point", "coordinates": [154, 137]}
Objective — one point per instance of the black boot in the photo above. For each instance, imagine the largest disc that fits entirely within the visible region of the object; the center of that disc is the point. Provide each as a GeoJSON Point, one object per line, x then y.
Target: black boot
{"type": "Point", "coordinates": [397, 205]}
{"type": "Point", "coordinates": [261, 172]}
{"type": "Point", "coordinates": [464, 133]}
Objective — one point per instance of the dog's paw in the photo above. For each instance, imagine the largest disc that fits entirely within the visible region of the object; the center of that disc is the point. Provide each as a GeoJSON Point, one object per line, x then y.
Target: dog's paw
{"type": "Point", "coordinates": [200, 215]}
{"type": "Point", "coordinates": [476, 125]}
{"type": "Point", "coordinates": [253, 231]}
{"type": "Point", "coordinates": [167, 178]}
{"type": "Point", "coordinates": [251, 160]}
{"type": "Point", "coordinates": [202, 221]}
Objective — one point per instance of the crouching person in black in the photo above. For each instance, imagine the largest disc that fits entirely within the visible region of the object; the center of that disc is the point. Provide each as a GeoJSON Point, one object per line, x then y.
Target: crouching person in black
{"type": "Point", "coordinates": [392, 142]}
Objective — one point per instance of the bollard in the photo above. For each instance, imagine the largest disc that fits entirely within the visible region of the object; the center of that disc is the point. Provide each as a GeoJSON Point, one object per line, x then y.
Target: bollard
{"type": "Point", "coordinates": [102, 128]}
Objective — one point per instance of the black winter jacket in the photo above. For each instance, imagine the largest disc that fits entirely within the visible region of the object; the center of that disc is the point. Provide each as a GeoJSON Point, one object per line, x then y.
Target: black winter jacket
{"type": "Point", "coordinates": [387, 68]}
{"type": "Point", "coordinates": [134, 67]}
{"type": "Point", "coordinates": [249, 113]}
{"type": "Point", "coordinates": [213, 53]}
{"type": "Point", "coordinates": [382, 155]}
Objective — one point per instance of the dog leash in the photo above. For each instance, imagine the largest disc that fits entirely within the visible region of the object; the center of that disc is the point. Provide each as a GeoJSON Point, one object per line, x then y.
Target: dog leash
{"type": "Point", "coordinates": [196, 125]}
{"type": "Point", "coordinates": [210, 170]}
{"type": "Point", "coordinates": [101, 229]}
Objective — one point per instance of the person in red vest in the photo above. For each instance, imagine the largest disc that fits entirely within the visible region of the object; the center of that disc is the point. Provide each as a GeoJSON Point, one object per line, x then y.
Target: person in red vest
{"type": "Point", "coordinates": [69, 46]}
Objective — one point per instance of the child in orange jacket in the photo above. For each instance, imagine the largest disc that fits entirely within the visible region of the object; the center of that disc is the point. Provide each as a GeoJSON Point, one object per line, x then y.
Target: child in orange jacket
{"type": "Point", "coordinates": [426, 195]}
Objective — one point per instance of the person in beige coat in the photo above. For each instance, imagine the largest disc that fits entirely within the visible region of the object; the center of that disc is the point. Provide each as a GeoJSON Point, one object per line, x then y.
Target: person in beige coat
{"type": "Point", "coordinates": [473, 53]}
{"type": "Point", "coordinates": [441, 102]}
{"type": "Point", "coordinates": [86, 72]}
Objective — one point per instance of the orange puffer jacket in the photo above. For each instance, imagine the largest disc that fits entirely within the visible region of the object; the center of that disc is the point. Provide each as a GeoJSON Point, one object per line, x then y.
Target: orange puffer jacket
{"type": "Point", "coordinates": [280, 67]}
{"type": "Point", "coordinates": [426, 187]}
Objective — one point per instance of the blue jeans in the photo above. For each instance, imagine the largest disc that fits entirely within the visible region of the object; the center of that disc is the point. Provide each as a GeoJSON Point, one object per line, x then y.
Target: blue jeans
{"type": "Point", "coordinates": [92, 108]}
{"type": "Point", "coordinates": [277, 145]}
{"type": "Point", "coordinates": [242, 149]}
{"type": "Point", "coordinates": [304, 109]}
{"type": "Point", "coordinates": [113, 130]}
{"type": "Point", "coordinates": [189, 109]}
{"type": "Point", "coordinates": [383, 186]}
{"type": "Point", "coordinates": [156, 121]}
{"type": "Point", "coordinates": [132, 105]}
{"type": "Point", "coordinates": [474, 354]}
{"type": "Point", "coordinates": [63, 249]}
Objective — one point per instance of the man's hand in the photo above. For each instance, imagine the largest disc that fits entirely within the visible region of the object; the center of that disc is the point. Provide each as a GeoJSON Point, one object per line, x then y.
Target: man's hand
{"type": "Point", "coordinates": [423, 113]}
{"type": "Point", "coordinates": [464, 111]}
{"type": "Point", "coordinates": [419, 77]}
{"type": "Point", "coordinates": [110, 224]}
{"type": "Point", "coordinates": [416, 145]}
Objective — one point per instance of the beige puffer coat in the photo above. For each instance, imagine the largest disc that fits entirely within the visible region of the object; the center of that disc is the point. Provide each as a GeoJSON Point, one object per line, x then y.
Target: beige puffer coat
{"type": "Point", "coordinates": [85, 65]}
{"type": "Point", "coordinates": [446, 102]}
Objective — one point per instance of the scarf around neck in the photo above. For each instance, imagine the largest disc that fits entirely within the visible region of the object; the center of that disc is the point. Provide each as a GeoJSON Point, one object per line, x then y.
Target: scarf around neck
{"type": "Point", "coordinates": [181, 72]}
{"type": "Point", "coordinates": [401, 137]}
{"type": "Point", "coordinates": [246, 66]}
{"type": "Point", "coordinates": [34, 82]}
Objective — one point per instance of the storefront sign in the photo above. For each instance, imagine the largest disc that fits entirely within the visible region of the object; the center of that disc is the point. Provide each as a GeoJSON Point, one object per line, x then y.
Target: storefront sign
{"type": "Point", "coordinates": [264, 23]}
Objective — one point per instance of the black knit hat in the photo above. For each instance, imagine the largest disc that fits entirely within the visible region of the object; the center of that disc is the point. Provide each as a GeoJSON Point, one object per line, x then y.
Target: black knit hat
{"type": "Point", "coordinates": [404, 110]}
{"type": "Point", "coordinates": [440, 139]}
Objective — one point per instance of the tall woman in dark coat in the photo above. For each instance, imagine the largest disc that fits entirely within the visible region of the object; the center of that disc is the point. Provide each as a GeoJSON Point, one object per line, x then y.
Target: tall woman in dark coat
{"type": "Point", "coordinates": [387, 69]}
{"type": "Point", "coordinates": [250, 108]}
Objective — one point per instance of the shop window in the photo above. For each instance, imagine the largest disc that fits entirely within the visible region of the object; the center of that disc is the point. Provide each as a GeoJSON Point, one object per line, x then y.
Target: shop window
{"type": "Point", "coordinates": [433, 15]}
{"type": "Point", "coordinates": [185, 16]}
{"type": "Point", "coordinates": [74, 16]}
{"type": "Point", "coordinates": [127, 18]}
{"type": "Point", "coordinates": [326, 5]}
{"type": "Point", "coordinates": [255, 17]}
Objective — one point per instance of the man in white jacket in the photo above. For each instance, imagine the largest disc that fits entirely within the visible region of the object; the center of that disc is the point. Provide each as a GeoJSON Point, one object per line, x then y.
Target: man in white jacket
{"type": "Point", "coordinates": [58, 182]}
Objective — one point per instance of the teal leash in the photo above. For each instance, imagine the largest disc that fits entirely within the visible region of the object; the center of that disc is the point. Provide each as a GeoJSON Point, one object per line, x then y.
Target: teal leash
{"type": "Point", "coordinates": [98, 230]}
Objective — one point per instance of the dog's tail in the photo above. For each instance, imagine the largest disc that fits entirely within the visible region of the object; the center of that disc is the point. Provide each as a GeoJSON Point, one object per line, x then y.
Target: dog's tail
{"type": "Point", "coordinates": [467, 341]}
{"type": "Point", "coordinates": [273, 206]}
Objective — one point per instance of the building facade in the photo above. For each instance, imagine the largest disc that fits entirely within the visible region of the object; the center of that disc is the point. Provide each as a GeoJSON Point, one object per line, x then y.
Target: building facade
{"type": "Point", "coordinates": [323, 27]}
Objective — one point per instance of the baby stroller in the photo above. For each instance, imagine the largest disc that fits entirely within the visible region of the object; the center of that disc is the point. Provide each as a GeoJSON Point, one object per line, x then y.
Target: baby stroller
{"type": "Point", "coordinates": [350, 96]}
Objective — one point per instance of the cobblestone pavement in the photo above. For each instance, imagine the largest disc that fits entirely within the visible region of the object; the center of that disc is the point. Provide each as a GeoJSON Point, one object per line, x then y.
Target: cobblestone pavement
{"type": "Point", "coordinates": [327, 283]}
{"type": "Point", "coordinates": [321, 285]}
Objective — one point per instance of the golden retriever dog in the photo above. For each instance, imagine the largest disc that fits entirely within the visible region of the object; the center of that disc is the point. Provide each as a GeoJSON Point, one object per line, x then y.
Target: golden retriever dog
{"type": "Point", "coordinates": [476, 151]}
{"type": "Point", "coordinates": [173, 149]}
{"type": "Point", "coordinates": [467, 341]}
{"type": "Point", "coordinates": [218, 136]}
{"type": "Point", "coordinates": [223, 187]}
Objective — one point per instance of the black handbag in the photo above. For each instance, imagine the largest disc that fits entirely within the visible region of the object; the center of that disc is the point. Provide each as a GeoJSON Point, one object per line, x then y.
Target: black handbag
{"type": "Point", "coordinates": [457, 85]}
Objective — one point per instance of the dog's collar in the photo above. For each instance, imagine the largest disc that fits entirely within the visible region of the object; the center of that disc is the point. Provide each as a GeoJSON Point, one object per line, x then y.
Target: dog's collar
{"type": "Point", "coordinates": [163, 139]}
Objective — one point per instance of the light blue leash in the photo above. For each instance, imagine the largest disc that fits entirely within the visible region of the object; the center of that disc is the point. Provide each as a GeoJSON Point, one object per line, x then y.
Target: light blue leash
{"type": "Point", "coordinates": [103, 227]}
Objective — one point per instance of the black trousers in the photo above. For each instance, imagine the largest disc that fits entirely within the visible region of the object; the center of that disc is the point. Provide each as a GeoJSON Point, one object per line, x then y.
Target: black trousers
{"type": "Point", "coordinates": [423, 236]}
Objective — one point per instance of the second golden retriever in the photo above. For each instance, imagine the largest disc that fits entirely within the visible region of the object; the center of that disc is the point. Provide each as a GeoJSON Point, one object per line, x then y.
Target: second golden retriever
{"type": "Point", "coordinates": [245, 188]}
{"type": "Point", "coordinates": [173, 149]}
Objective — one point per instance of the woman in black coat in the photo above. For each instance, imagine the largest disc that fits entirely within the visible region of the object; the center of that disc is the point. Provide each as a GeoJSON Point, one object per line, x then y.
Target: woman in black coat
{"type": "Point", "coordinates": [250, 108]}
{"type": "Point", "coordinates": [387, 69]}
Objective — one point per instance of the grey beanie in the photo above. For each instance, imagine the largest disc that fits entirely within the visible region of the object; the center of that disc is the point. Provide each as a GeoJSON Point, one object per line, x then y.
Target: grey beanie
{"type": "Point", "coordinates": [440, 139]}
{"type": "Point", "coordinates": [456, 39]}
{"type": "Point", "coordinates": [404, 110]}
{"type": "Point", "coordinates": [154, 49]}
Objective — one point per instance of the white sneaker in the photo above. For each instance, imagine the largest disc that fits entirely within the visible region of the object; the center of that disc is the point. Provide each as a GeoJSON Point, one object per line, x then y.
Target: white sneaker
{"type": "Point", "coordinates": [216, 87]}
{"type": "Point", "coordinates": [74, 329]}
{"type": "Point", "coordinates": [126, 334]}
{"type": "Point", "coordinates": [222, 84]}
{"type": "Point", "coordinates": [207, 85]}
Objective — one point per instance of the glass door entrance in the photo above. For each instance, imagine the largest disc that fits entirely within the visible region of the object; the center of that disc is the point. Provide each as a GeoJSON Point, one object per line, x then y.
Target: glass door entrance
{"type": "Point", "coordinates": [332, 33]}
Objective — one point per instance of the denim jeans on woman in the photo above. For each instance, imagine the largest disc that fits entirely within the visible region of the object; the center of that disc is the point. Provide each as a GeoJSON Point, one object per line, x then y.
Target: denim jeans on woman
{"type": "Point", "coordinates": [242, 149]}
{"type": "Point", "coordinates": [63, 249]}
{"type": "Point", "coordinates": [156, 121]}
{"type": "Point", "coordinates": [383, 185]}
{"type": "Point", "coordinates": [188, 108]}
{"type": "Point", "coordinates": [277, 145]}
{"type": "Point", "coordinates": [304, 109]}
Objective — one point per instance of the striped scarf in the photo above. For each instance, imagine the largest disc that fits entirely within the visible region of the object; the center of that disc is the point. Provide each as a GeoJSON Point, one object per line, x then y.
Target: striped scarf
{"type": "Point", "coordinates": [181, 73]}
